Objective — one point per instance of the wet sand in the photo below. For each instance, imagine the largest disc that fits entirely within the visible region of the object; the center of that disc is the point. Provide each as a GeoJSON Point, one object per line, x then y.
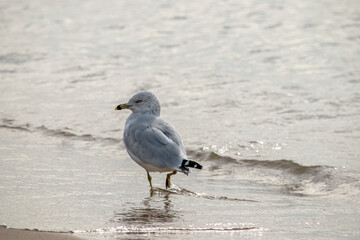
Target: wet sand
{"type": "Point", "coordinates": [18, 234]}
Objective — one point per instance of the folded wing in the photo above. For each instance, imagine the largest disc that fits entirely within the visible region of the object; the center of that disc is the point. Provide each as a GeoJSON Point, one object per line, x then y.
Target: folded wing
{"type": "Point", "coordinates": [157, 144]}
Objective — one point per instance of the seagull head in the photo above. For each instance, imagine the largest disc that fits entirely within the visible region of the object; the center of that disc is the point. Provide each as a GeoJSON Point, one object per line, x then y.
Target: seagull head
{"type": "Point", "coordinates": [142, 102]}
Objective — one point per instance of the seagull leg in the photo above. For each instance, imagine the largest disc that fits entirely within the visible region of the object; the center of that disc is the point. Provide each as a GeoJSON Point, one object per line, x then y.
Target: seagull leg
{"type": "Point", "coordinates": [149, 178]}
{"type": "Point", "coordinates": [167, 183]}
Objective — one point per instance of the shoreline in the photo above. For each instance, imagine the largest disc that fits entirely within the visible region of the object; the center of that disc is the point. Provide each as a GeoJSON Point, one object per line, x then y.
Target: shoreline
{"type": "Point", "coordinates": [27, 234]}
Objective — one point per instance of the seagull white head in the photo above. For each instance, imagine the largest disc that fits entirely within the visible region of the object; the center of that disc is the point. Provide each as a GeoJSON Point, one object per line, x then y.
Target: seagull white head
{"type": "Point", "coordinates": [142, 102]}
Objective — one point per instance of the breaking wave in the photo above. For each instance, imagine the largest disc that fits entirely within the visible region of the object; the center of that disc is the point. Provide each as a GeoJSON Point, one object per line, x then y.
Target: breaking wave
{"type": "Point", "coordinates": [288, 166]}
{"type": "Point", "coordinates": [287, 176]}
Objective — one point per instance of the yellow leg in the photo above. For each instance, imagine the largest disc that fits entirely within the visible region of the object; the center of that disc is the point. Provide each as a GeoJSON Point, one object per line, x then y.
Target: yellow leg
{"type": "Point", "coordinates": [149, 178]}
{"type": "Point", "coordinates": [167, 183]}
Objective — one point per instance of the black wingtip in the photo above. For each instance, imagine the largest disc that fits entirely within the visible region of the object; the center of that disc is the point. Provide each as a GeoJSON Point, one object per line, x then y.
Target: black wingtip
{"type": "Point", "coordinates": [188, 163]}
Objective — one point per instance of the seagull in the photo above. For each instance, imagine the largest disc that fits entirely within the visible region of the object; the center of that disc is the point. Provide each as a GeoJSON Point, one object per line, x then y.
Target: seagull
{"type": "Point", "coordinates": [150, 141]}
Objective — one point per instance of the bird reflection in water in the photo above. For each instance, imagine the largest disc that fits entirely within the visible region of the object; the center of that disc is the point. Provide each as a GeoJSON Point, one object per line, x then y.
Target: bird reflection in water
{"type": "Point", "coordinates": [154, 209]}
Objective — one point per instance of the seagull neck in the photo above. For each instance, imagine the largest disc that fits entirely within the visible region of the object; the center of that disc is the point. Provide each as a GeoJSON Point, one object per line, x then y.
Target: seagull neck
{"type": "Point", "coordinates": [155, 113]}
{"type": "Point", "coordinates": [152, 112]}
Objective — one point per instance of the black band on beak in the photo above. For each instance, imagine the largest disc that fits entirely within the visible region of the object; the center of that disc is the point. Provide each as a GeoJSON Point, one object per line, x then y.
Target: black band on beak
{"type": "Point", "coordinates": [122, 106]}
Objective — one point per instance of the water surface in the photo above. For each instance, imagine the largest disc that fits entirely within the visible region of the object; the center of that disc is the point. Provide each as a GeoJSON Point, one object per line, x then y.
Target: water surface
{"type": "Point", "coordinates": [264, 94]}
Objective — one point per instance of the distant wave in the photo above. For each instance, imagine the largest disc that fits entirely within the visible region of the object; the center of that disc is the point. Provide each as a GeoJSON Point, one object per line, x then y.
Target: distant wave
{"type": "Point", "coordinates": [19, 127]}
{"type": "Point", "coordinates": [64, 133]}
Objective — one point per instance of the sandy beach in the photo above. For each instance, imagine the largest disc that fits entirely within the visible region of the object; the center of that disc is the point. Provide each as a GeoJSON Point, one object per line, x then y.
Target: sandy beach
{"type": "Point", "coordinates": [20, 234]}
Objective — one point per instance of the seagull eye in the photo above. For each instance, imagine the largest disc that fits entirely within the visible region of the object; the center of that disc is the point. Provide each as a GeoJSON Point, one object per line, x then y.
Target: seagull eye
{"type": "Point", "coordinates": [138, 101]}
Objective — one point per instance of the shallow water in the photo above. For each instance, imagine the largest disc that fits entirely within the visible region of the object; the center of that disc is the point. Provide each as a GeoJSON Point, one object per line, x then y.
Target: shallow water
{"type": "Point", "coordinates": [264, 94]}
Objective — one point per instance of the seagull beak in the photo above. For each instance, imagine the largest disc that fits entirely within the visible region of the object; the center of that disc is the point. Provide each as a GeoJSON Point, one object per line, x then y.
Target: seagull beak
{"type": "Point", "coordinates": [123, 106]}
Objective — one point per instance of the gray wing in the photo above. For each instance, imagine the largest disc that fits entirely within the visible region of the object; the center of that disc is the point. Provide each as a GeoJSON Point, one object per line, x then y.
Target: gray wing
{"type": "Point", "coordinates": [156, 143]}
